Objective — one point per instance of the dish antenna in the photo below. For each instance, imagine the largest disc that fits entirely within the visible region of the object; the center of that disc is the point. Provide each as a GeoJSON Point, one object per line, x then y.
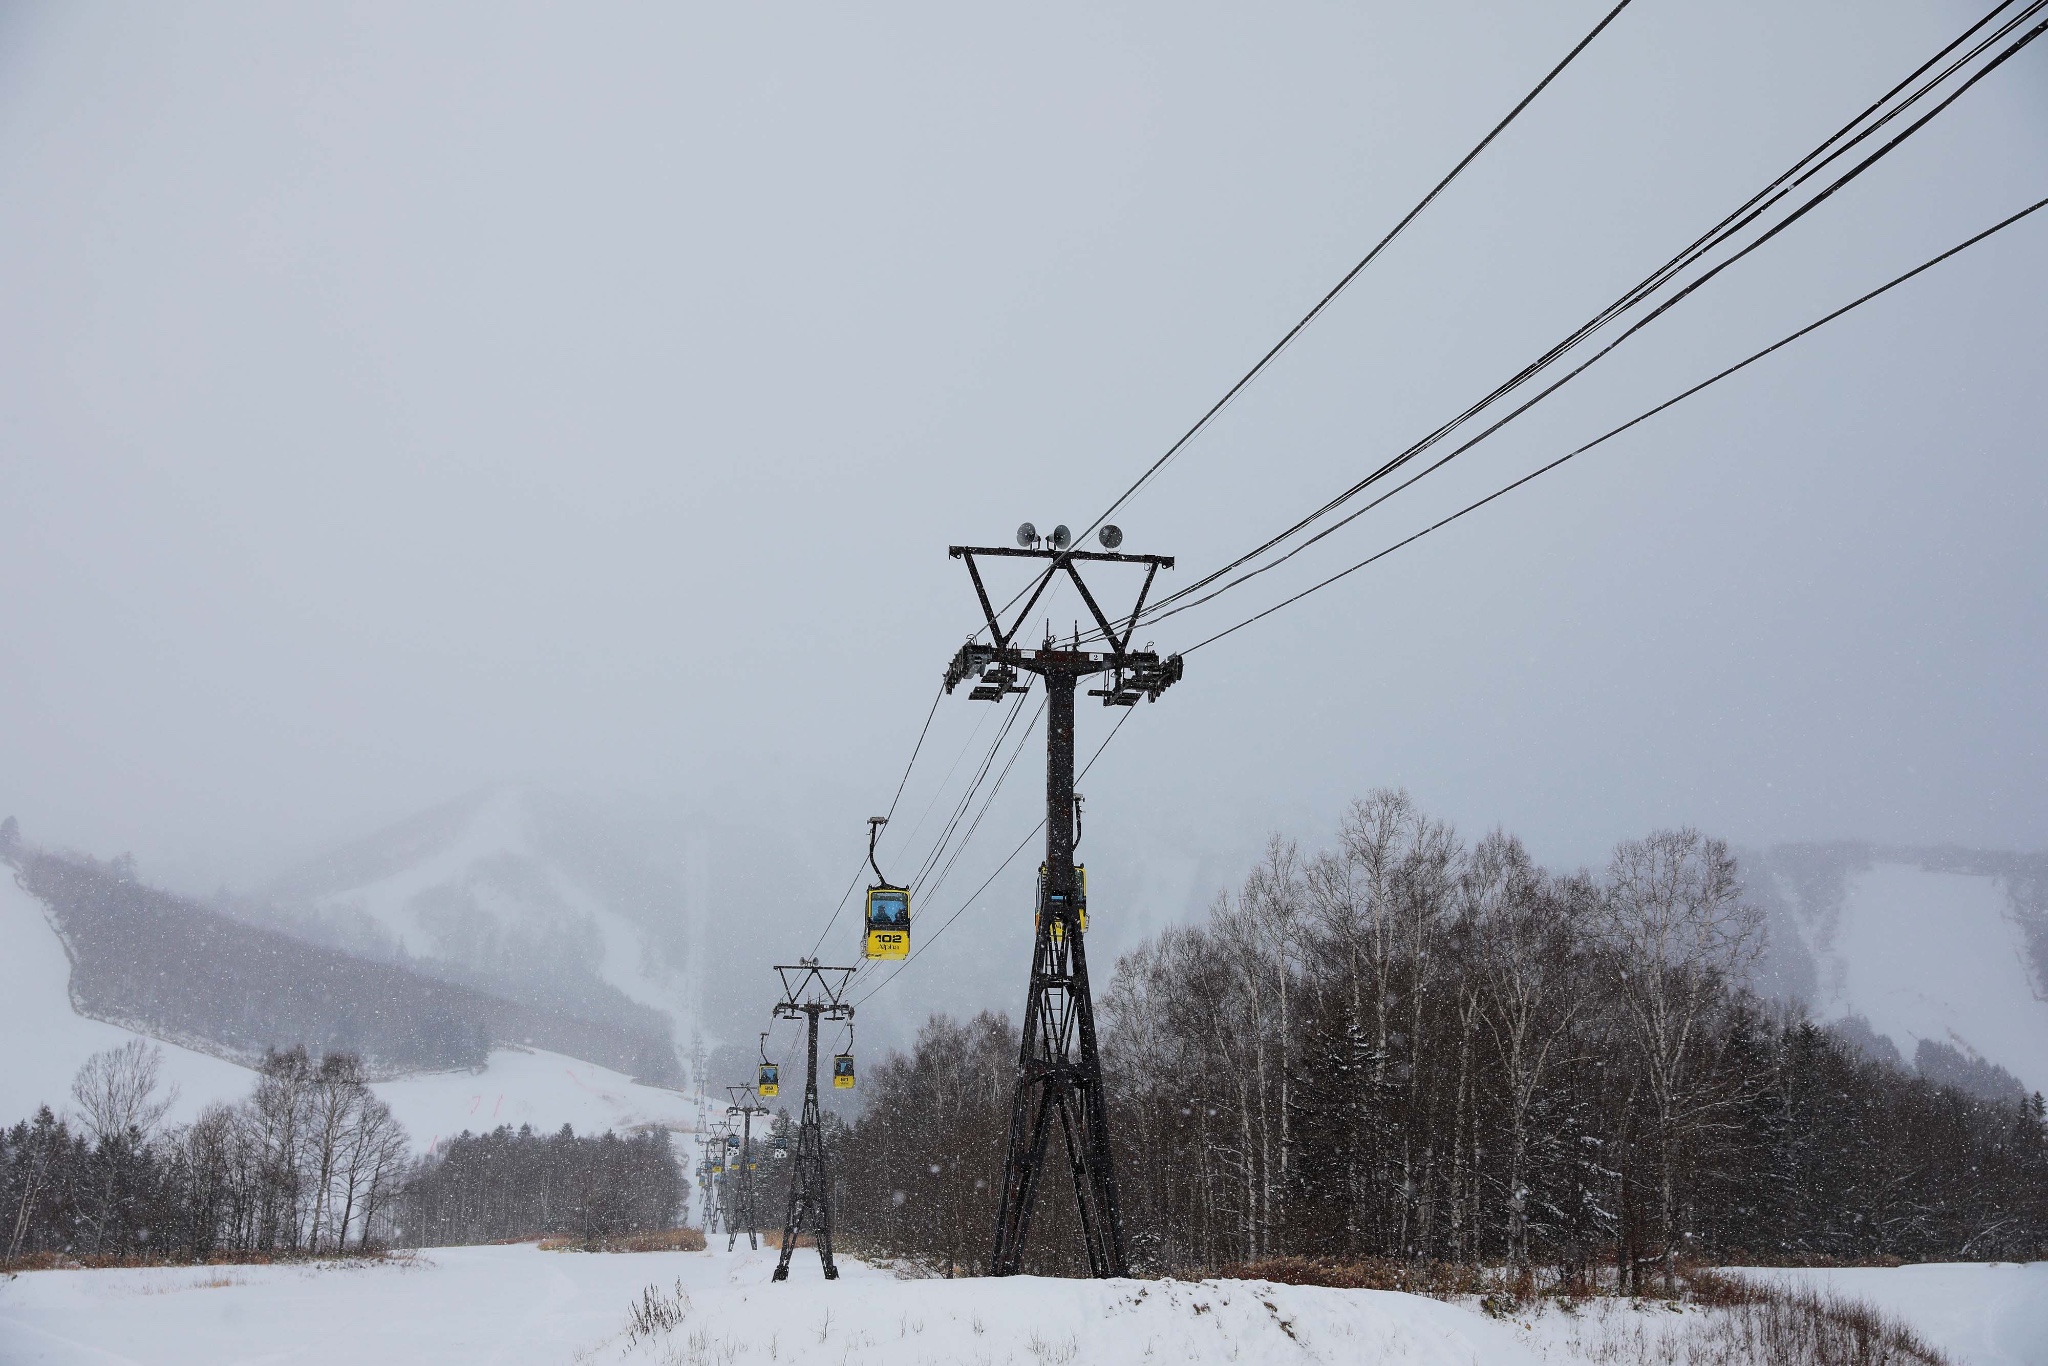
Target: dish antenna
{"type": "Point", "coordinates": [1111, 537]}
{"type": "Point", "coordinates": [1027, 536]}
{"type": "Point", "coordinates": [1061, 537]}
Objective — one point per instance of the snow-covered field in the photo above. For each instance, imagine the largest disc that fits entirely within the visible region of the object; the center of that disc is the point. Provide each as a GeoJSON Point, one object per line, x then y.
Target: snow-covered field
{"type": "Point", "coordinates": [521, 1305]}
{"type": "Point", "coordinates": [1984, 1315]}
{"type": "Point", "coordinates": [46, 1041]}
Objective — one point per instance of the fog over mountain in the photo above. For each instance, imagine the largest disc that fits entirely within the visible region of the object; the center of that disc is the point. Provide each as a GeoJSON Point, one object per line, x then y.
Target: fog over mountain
{"type": "Point", "coordinates": [475, 494]}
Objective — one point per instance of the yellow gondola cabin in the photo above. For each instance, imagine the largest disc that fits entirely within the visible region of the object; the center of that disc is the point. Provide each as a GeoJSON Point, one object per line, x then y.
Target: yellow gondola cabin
{"type": "Point", "coordinates": [888, 923]}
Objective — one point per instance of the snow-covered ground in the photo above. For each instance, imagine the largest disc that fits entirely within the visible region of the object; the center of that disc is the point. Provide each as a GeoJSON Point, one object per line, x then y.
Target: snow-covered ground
{"type": "Point", "coordinates": [46, 1040]}
{"type": "Point", "coordinates": [521, 1305]}
{"type": "Point", "coordinates": [1981, 1314]}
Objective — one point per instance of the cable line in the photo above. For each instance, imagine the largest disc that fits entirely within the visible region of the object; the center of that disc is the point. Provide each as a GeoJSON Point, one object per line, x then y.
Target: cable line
{"type": "Point", "coordinates": [1343, 283]}
{"type": "Point", "coordinates": [915, 750]}
{"type": "Point", "coordinates": [1030, 836]}
{"type": "Point", "coordinates": [1632, 422]}
{"type": "Point", "coordinates": [1757, 205]}
{"type": "Point", "coordinates": [965, 840]}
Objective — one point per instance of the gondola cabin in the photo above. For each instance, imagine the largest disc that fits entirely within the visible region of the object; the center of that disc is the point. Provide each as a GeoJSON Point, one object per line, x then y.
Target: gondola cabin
{"type": "Point", "coordinates": [888, 923]}
{"type": "Point", "coordinates": [842, 1072]}
{"type": "Point", "coordinates": [1081, 902]}
{"type": "Point", "coordinates": [770, 1081]}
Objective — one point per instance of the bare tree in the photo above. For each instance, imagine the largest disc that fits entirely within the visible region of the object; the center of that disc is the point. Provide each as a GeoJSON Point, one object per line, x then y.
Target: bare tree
{"type": "Point", "coordinates": [116, 1092]}
{"type": "Point", "coordinates": [1530, 988]}
{"type": "Point", "coordinates": [1676, 932]}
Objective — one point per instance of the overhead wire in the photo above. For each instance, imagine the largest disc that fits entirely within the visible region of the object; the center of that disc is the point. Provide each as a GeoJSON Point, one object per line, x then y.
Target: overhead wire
{"type": "Point", "coordinates": [1758, 204]}
{"type": "Point", "coordinates": [975, 896]}
{"type": "Point", "coordinates": [1343, 283]}
{"type": "Point", "coordinates": [1273, 353]}
{"type": "Point", "coordinates": [1714, 237]}
{"type": "Point", "coordinates": [1640, 418]}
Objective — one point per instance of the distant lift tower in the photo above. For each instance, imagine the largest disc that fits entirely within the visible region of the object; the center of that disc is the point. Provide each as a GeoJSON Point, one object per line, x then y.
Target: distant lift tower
{"type": "Point", "coordinates": [810, 992]}
{"type": "Point", "coordinates": [1059, 1072]}
{"type": "Point", "coordinates": [746, 1106]}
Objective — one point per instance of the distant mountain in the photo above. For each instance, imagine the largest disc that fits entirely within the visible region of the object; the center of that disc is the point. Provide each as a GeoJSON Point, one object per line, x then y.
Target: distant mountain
{"type": "Point", "coordinates": [510, 891]}
{"type": "Point", "coordinates": [163, 965]}
{"type": "Point", "coordinates": [1938, 953]}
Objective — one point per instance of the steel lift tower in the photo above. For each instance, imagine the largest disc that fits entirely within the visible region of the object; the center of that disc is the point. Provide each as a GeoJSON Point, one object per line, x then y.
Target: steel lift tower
{"type": "Point", "coordinates": [1059, 1072]}
{"type": "Point", "coordinates": [812, 993]}
{"type": "Point", "coordinates": [746, 1106]}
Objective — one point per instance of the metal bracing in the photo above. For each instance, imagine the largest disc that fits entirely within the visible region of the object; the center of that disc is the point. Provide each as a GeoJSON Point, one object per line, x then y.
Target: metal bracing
{"type": "Point", "coordinates": [744, 1209]}
{"type": "Point", "coordinates": [811, 994]}
{"type": "Point", "coordinates": [1059, 1070]}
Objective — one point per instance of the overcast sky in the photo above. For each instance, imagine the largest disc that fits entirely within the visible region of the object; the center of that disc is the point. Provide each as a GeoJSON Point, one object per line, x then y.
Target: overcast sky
{"type": "Point", "coordinates": [396, 399]}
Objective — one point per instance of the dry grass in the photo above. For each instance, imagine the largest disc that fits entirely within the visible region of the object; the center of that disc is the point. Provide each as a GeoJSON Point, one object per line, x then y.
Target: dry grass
{"type": "Point", "coordinates": [1440, 1280]}
{"type": "Point", "coordinates": [1733, 1320]}
{"type": "Point", "coordinates": [651, 1240]}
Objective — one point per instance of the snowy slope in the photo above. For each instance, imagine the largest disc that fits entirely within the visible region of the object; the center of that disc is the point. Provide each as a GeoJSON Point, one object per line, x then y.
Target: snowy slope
{"type": "Point", "coordinates": [1935, 955]}
{"type": "Point", "coordinates": [1925, 944]}
{"type": "Point", "coordinates": [545, 1090]}
{"type": "Point", "coordinates": [46, 1041]}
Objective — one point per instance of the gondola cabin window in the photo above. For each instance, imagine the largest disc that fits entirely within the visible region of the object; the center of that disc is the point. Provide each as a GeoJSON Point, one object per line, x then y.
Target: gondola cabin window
{"type": "Point", "coordinates": [888, 923]}
{"type": "Point", "coordinates": [842, 1072]}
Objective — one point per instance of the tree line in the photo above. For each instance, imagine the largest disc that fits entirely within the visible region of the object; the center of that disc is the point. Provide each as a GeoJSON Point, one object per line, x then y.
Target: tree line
{"type": "Point", "coordinates": [506, 1184]}
{"type": "Point", "coordinates": [311, 1163]}
{"type": "Point", "coordinates": [1411, 1047]}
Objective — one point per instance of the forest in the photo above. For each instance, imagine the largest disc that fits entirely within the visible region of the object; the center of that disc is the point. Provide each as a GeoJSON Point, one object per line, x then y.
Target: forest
{"type": "Point", "coordinates": [312, 1163]}
{"type": "Point", "coordinates": [1410, 1047]}
{"type": "Point", "coordinates": [514, 1184]}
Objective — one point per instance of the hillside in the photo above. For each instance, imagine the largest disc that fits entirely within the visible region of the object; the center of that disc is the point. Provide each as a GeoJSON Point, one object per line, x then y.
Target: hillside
{"type": "Point", "coordinates": [168, 966]}
{"type": "Point", "coordinates": [1942, 952]}
{"type": "Point", "coordinates": [48, 1039]}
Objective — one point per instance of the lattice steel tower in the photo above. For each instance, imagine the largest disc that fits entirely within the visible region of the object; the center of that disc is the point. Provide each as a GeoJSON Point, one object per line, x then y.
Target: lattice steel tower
{"type": "Point", "coordinates": [810, 995]}
{"type": "Point", "coordinates": [1059, 1072]}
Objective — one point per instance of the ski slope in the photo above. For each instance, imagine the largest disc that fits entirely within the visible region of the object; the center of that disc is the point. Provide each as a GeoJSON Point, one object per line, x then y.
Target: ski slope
{"type": "Point", "coordinates": [518, 1305]}
{"type": "Point", "coordinates": [47, 1040]}
{"type": "Point", "coordinates": [1936, 955]}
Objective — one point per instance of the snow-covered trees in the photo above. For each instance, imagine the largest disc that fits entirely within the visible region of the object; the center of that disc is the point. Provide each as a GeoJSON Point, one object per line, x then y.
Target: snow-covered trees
{"type": "Point", "coordinates": [505, 1184]}
{"type": "Point", "coordinates": [1407, 1047]}
{"type": "Point", "coordinates": [307, 1164]}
